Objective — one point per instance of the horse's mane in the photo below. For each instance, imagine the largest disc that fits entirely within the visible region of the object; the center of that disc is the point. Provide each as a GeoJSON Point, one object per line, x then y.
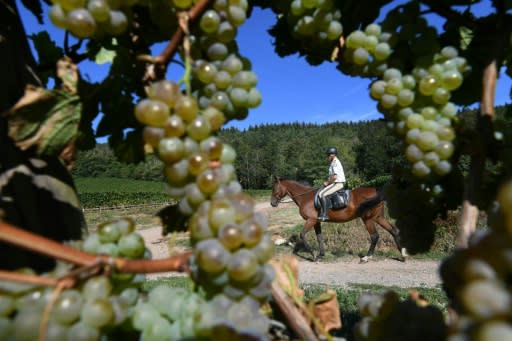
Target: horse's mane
{"type": "Point", "coordinates": [302, 182]}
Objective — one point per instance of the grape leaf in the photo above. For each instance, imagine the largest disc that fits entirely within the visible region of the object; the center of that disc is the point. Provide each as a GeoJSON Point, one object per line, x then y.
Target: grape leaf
{"type": "Point", "coordinates": [104, 56]}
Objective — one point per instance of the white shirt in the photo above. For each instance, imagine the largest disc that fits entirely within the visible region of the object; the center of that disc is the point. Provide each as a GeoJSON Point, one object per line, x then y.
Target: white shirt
{"type": "Point", "coordinates": [337, 168]}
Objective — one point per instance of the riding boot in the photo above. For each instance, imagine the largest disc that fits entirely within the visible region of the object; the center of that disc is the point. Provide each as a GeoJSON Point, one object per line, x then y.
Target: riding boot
{"type": "Point", "coordinates": [323, 209]}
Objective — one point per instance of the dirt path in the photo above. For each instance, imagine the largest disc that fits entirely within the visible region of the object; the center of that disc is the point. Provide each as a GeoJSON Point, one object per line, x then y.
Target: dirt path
{"type": "Point", "coordinates": [387, 272]}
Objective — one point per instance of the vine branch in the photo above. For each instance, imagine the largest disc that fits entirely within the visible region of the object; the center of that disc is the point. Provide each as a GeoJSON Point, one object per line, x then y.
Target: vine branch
{"type": "Point", "coordinates": [161, 61]}
{"type": "Point", "coordinates": [19, 237]}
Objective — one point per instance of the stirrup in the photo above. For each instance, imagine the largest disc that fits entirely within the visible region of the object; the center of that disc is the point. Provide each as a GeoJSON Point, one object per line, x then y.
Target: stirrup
{"type": "Point", "coordinates": [322, 218]}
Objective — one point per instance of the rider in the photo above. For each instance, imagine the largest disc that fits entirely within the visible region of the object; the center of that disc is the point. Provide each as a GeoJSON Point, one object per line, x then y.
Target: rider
{"type": "Point", "coordinates": [334, 183]}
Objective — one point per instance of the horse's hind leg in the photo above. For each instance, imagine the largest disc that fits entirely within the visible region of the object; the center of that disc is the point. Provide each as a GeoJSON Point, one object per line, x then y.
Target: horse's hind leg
{"type": "Point", "coordinates": [307, 227]}
{"type": "Point", "coordinates": [320, 239]}
{"type": "Point", "coordinates": [386, 225]}
{"type": "Point", "coordinates": [374, 238]}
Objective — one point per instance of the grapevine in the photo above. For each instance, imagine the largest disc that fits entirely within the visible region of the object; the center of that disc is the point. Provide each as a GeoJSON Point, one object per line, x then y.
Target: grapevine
{"type": "Point", "coordinates": [417, 77]}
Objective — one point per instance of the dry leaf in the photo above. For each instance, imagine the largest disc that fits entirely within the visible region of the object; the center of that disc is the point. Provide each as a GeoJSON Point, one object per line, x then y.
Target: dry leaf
{"type": "Point", "coordinates": [286, 267]}
{"type": "Point", "coordinates": [328, 312]}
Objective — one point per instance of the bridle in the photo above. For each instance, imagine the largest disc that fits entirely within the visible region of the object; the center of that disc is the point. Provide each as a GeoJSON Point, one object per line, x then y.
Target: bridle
{"type": "Point", "coordinates": [280, 200]}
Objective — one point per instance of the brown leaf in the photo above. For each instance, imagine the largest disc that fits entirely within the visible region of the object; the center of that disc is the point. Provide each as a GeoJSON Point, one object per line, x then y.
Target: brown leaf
{"type": "Point", "coordinates": [328, 312]}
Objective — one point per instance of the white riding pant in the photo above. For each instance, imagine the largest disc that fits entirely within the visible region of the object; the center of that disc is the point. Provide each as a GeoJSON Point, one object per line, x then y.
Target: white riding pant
{"type": "Point", "coordinates": [330, 189]}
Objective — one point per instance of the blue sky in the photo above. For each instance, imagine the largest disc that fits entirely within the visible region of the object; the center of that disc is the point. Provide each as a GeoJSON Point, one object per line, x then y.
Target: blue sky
{"type": "Point", "coordinates": [293, 91]}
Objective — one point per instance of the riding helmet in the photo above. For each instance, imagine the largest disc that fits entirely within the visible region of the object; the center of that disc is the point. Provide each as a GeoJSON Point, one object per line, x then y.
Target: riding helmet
{"type": "Point", "coordinates": [331, 150]}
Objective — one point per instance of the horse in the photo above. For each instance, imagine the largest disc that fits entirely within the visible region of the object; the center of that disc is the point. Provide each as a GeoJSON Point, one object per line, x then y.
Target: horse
{"type": "Point", "coordinates": [366, 203]}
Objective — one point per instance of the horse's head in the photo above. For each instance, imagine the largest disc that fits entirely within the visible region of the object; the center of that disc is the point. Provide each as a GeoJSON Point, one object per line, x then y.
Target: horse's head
{"type": "Point", "coordinates": [278, 193]}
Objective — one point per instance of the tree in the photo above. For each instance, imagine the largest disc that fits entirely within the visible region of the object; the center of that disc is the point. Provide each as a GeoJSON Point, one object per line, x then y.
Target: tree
{"type": "Point", "coordinates": [418, 76]}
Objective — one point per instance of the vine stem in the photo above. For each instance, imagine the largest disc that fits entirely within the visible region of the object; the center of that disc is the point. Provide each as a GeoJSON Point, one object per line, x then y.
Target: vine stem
{"type": "Point", "coordinates": [161, 61]}
{"type": "Point", "coordinates": [30, 241]}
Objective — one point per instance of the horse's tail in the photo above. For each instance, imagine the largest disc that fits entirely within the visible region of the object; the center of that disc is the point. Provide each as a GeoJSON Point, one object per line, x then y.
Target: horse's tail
{"type": "Point", "coordinates": [372, 202]}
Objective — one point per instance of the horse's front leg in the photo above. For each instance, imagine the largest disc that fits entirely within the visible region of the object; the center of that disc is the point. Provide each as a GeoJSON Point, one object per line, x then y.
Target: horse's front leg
{"type": "Point", "coordinates": [307, 227]}
{"type": "Point", "coordinates": [320, 240]}
{"type": "Point", "coordinates": [374, 238]}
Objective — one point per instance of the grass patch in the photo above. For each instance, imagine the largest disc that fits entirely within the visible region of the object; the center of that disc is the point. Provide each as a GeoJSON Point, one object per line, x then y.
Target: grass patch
{"type": "Point", "coordinates": [102, 185]}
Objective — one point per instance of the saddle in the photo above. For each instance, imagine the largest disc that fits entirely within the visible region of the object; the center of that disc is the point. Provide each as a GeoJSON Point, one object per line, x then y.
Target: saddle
{"type": "Point", "coordinates": [335, 201]}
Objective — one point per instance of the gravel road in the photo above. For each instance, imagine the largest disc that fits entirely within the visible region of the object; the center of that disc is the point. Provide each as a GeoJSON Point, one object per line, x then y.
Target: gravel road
{"type": "Point", "coordinates": [387, 272]}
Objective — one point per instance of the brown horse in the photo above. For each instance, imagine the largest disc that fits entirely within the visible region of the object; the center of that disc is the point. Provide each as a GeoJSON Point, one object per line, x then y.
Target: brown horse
{"type": "Point", "coordinates": [366, 203]}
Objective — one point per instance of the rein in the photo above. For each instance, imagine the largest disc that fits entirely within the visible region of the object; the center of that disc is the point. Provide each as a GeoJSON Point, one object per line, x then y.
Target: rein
{"type": "Point", "coordinates": [294, 196]}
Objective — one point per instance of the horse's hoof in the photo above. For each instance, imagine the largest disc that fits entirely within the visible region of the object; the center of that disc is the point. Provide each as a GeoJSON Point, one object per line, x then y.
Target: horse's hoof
{"type": "Point", "coordinates": [319, 257]}
{"type": "Point", "coordinates": [363, 259]}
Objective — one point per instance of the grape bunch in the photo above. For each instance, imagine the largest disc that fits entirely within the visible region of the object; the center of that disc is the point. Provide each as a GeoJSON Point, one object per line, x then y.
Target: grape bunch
{"type": "Point", "coordinates": [386, 318]}
{"type": "Point", "coordinates": [477, 279]}
{"type": "Point", "coordinates": [91, 18]}
{"type": "Point", "coordinates": [100, 305]}
{"type": "Point", "coordinates": [222, 79]}
{"type": "Point", "coordinates": [416, 105]}
{"type": "Point", "coordinates": [315, 20]}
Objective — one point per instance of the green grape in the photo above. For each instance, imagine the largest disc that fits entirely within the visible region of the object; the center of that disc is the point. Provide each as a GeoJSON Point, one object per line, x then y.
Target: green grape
{"type": "Point", "coordinates": [420, 169]}
{"type": "Point", "coordinates": [236, 15]}
{"type": "Point", "coordinates": [99, 10]}
{"type": "Point", "coordinates": [232, 64]}
{"type": "Point", "coordinates": [388, 101]}
{"type": "Point", "coordinates": [444, 149]}
{"type": "Point", "coordinates": [334, 30]}
{"type": "Point", "coordinates": [428, 85]}
{"type": "Point", "coordinates": [171, 149]}
{"type": "Point", "coordinates": [215, 117]}
{"type": "Point", "coordinates": [231, 236]}
{"type": "Point", "coordinates": [153, 135]}
{"type": "Point", "coordinates": [67, 308]}
{"type": "Point", "coordinates": [211, 256]}
{"type": "Point", "coordinates": [197, 163]}
{"type": "Point", "coordinates": [443, 167]}
{"type": "Point", "coordinates": [177, 173]}
{"type": "Point", "coordinates": [26, 325]}
{"type": "Point", "coordinates": [393, 86]}
{"type": "Point", "coordinates": [413, 153]}
{"type": "Point", "coordinates": [356, 39]}
{"type": "Point", "coordinates": [222, 80]}
{"type": "Point", "coordinates": [212, 146]}
{"type": "Point", "coordinates": [152, 112]}
{"type": "Point", "coordinates": [391, 73]}
{"type": "Point", "coordinates": [382, 51]}
{"type": "Point", "coordinates": [7, 305]}
{"type": "Point", "coordinates": [97, 312]}
{"type": "Point", "coordinates": [69, 5]}
{"type": "Point", "coordinates": [431, 159]}
{"type": "Point", "coordinates": [239, 97]}
{"type": "Point", "coordinates": [83, 332]}
{"type": "Point", "coordinates": [91, 243]}
{"type": "Point", "coordinates": [164, 91]}
{"type": "Point", "coordinates": [199, 228]}
{"type": "Point", "coordinates": [226, 32]}
{"type": "Point", "coordinates": [445, 133]}
{"type": "Point", "coordinates": [242, 265]}
{"type": "Point", "coordinates": [58, 16]}
{"type": "Point", "coordinates": [415, 121]}
{"type": "Point", "coordinates": [131, 246]}
{"type": "Point", "coordinates": [486, 299]}
{"type": "Point", "coordinates": [210, 21]}
{"type": "Point", "coordinates": [208, 182]}
{"type": "Point", "coordinates": [109, 232]}
{"type": "Point", "coordinates": [81, 23]}
{"type": "Point", "coordinates": [430, 125]}
{"type": "Point", "coordinates": [360, 56]}
{"type": "Point", "coordinates": [206, 72]}
{"type": "Point", "coordinates": [494, 330]}
{"type": "Point", "coordinates": [117, 24]}
{"type": "Point", "coordinates": [296, 8]}
{"type": "Point", "coordinates": [377, 89]}
{"type": "Point", "coordinates": [253, 98]}
{"type": "Point", "coordinates": [405, 97]}
{"type": "Point", "coordinates": [174, 127]}
{"type": "Point", "coordinates": [194, 195]}
{"type": "Point", "coordinates": [143, 315]}
{"type": "Point", "coordinates": [97, 287]}
{"type": "Point", "coordinates": [449, 110]}
{"type": "Point", "coordinates": [452, 79]}
{"type": "Point", "coordinates": [370, 43]}
{"type": "Point", "coordinates": [221, 212]}
{"type": "Point", "coordinates": [441, 96]}
{"type": "Point", "coordinates": [56, 332]}
{"type": "Point", "coordinates": [220, 100]}
{"type": "Point", "coordinates": [253, 232]}
{"type": "Point", "coordinates": [186, 108]}
{"type": "Point", "coordinates": [199, 129]}
{"type": "Point", "coordinates": [427, 141]}
{"type": "Point", "coordinates": [217, 51]}
{"type": "Point", "coordinates": [373, 30]}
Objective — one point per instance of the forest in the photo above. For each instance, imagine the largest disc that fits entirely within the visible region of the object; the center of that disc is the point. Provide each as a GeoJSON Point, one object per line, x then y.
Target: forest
{"type": "Point", "coordinates": [368, 152]}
